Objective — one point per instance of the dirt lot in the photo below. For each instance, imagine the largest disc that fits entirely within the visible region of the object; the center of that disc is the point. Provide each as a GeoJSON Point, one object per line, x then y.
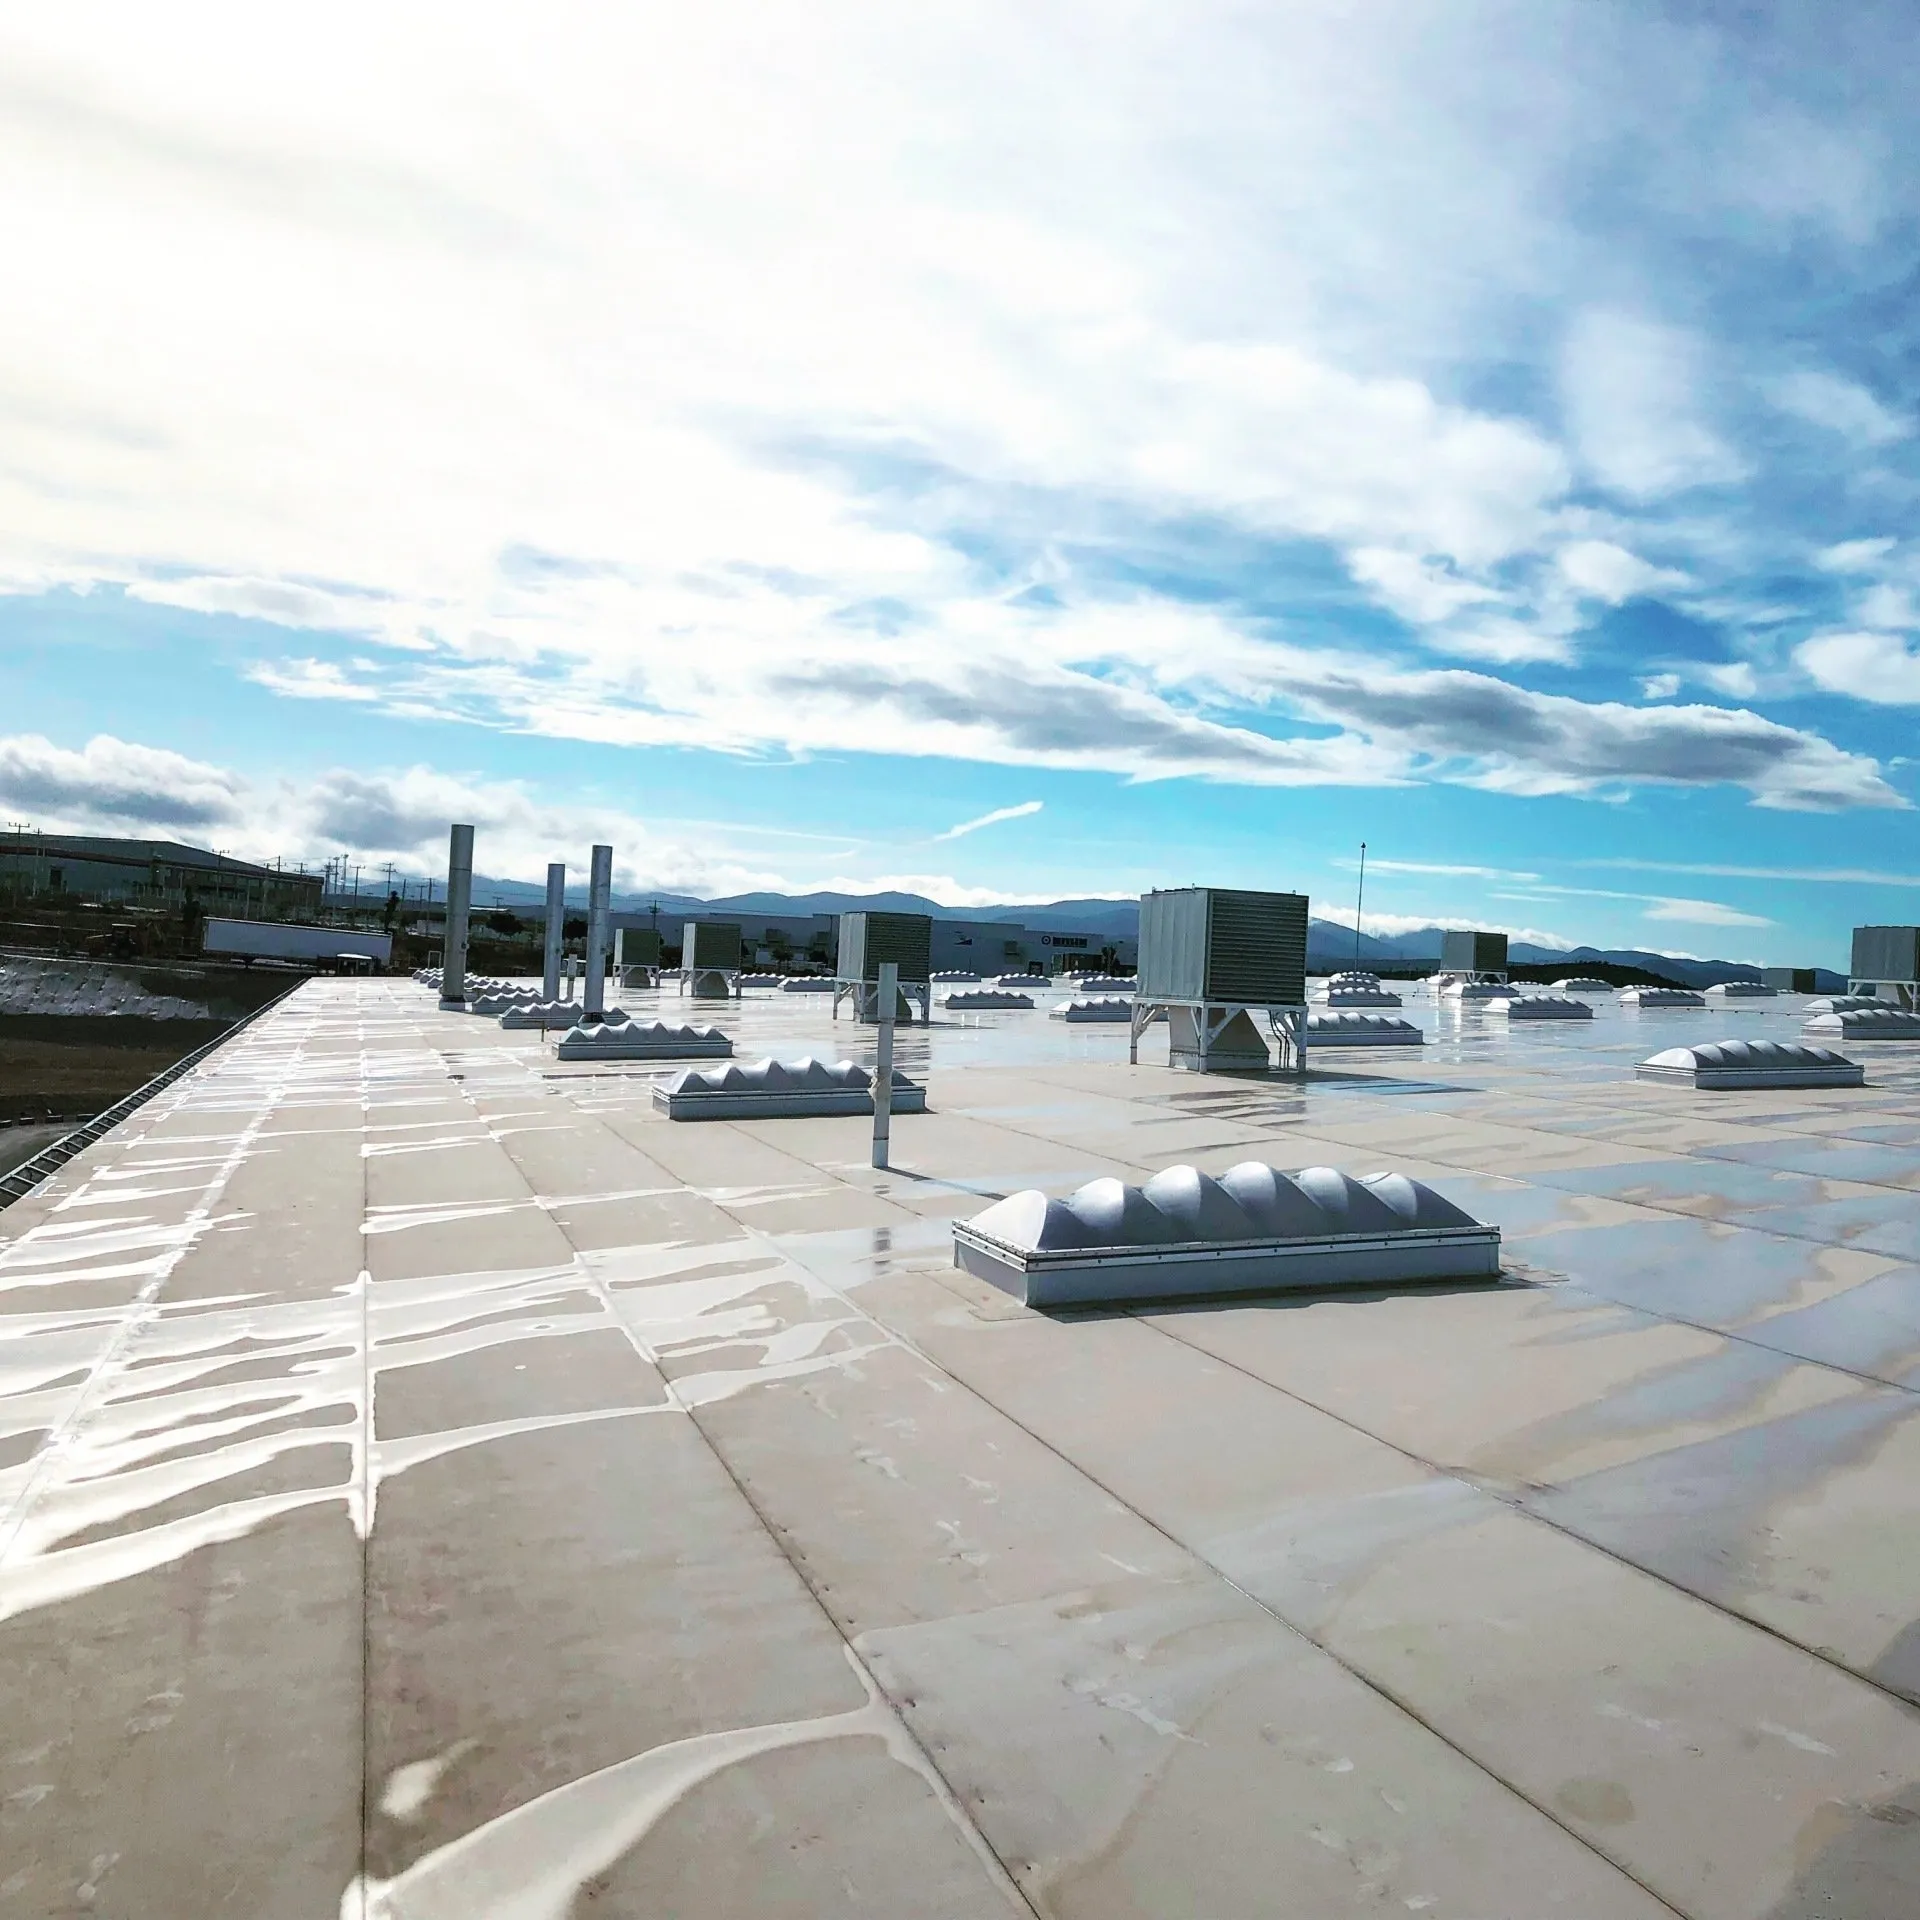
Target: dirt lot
{"type": "Point", "coordinates": [70, 1069]}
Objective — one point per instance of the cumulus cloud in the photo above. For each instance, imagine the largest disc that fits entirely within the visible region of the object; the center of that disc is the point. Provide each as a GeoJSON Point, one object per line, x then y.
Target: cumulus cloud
{"type": "Point", "coordinates": [113, 785]}
{"type": "Point", "coordinates": [1879, 667]}
{"type": "Point", "coordinates": [1660, 686]}
{"type": "Point", "coordinates": [1518, 741]}
{"type": "Point", "coordinates": [855, 361]}
{"type": "Point", "coordinates": [1610, 573]}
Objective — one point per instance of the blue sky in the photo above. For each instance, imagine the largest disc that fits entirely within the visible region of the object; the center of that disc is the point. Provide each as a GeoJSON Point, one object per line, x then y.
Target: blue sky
{"type": "Point", "coordinates": [1201, 440]}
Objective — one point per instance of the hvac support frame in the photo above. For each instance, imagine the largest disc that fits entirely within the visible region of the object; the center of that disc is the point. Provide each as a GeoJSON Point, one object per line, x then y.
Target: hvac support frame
{"type": "Point", "coordinates": [865, 996]}
{"type": "Point", "coordinates": [692, 978]}
{"type": "Point", "coordinates": [1904, 994]}
{"type": "Point", "coordinates": [1287, 1023]}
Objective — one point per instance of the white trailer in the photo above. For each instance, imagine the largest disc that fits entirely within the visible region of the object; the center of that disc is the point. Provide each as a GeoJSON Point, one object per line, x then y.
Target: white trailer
{"type": "Point", "coordinates": [287, 940]}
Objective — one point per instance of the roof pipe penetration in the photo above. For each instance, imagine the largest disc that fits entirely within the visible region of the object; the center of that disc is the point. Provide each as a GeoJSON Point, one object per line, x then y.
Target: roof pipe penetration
{"type": "Point", "coordinates": [593, 1004]}
{"type": "Point", "coordinates": [453, 970]}
{"type": "Point", "coordinates": [556, 930]}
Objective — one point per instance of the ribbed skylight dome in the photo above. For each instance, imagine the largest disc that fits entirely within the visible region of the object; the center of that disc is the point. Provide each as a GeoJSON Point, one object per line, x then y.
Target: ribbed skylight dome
{"type": "Point", "coordinates": [1094, 1011]}
{"type": "Point", "coordinates": [1255, 1227]}
{"type": "Point", "coordinates": [1660, 997]}
{"type": "Point", "coordinates": [1865, 1023]}
{"type": "Point", "coordinates": [773, 1089]}
{"type": "Point", "coordinates": [1539, 1006]}
{"type": "Point", "coordinates": [985, 1000]}
{"type": "Point", "coordinates": [1752, 1063]}
{"type": "Point", "coordinates": [1345, 1029]}
{"type": "Point", "coordinates": [1337, 994]}
{"type": "Point", "coordinates": [626, 1039]}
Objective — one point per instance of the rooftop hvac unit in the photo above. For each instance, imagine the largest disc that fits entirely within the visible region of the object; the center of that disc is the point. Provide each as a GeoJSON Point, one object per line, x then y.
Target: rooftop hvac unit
{"type": "Point", "coordinates": [706, 944]}
{"type": "Point", "coordinates": [640, 947]}
{"type": "Point", "coordinates": [1218, 945]}
{"type": "Point", "coordinates": [1790, 979]}
{"type": "Point", "coordinates": [1891, 954]}
{"type": "Point", "coordinates": [868, 940]}
{"type": "Point", "coordinates": [1469, 952]}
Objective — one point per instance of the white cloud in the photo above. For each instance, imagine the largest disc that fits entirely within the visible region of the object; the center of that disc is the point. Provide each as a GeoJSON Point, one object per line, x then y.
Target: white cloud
{"type": "Point", "coordinates": [1386, 924]}
{"type": "Point", "coordinates": [1025, 809]}
{"type": "Point", "coordinates": [1635, 393]}
{"type": "Point", "coordinates": [1610, 573]}
{"type": "Point", "coordinates": [309, 680]}
{"type": "Point", "coordinates": [1854, 556]}
{"type": "Point", "coordinates": [1841, 406]}
{"type": "Point", "coordinates": [1705, 913]}
{"type": "Point", "coordinates": [112, 786]}
{"type": "Point", "coordinates": [1887, 605]}
{"type": "Point", "coordinates": [1441, 868]}
{"type": "Point", "coordinates": [1504, 643]}
{"type": "Point", "coordinates": [661, 381]}
{"type": "Point", "coordinates": [1418, 590]}
{"type": "Point", "coordinates": [1735, 678]}
{"type": "Point", "coordinates": [1880, 667]}
{"type": "Point", "coordinates": [1660, 686]}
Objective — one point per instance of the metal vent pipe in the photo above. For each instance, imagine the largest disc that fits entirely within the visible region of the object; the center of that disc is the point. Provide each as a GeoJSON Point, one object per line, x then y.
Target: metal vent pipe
{"type": "Point", "coordinates": [556, 929]}
{"type": "Point", "coordinates": [593, 1001]}
{"type": "Point", "coordinates": [453, 974]}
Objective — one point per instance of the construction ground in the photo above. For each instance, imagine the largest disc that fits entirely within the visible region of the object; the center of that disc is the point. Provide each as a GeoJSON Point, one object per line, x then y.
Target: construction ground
{"type": "Point", "coordinates": [435, 1485]}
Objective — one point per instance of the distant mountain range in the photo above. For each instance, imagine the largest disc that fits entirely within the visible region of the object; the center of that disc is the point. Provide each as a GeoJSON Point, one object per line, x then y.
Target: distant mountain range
{"type": "Point", "coordinates": [1329, 945]}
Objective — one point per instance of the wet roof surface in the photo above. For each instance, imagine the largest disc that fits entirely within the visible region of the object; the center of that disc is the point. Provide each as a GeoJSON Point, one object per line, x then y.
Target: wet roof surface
{"type": "Point", "coordinates": [433, 1483]}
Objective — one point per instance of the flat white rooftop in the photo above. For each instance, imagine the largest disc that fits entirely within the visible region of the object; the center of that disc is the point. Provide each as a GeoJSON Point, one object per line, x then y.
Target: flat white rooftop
{"type": "Point", "coordinates": [434, 1484]}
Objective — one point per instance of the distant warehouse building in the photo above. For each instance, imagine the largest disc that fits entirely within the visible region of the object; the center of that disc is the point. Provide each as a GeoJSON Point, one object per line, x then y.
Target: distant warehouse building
{"type": "Point", "coordinates": [153, 873]}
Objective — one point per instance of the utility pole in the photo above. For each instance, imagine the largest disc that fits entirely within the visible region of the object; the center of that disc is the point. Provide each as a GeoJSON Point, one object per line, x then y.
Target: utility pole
{"type": "Point", "coordinates": [1360, 900]}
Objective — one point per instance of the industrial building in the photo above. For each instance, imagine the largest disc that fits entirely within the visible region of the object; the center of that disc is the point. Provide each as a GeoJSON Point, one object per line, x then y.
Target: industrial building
{"type": "Point", "coordinates": [153, 873]}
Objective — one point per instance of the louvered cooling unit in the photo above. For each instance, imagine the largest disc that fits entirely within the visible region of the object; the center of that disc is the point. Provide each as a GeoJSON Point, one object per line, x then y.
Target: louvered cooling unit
{"type": "Point", "coordinates": [1210, 957]}
{"type": "Point", "coordinates": [1469, 952]}
{"type": "Point", "coordinates": [710, 943]}
{"type": "Point", "coordinates": [868, 939]}
{"type": "Point", "coordinates": [1221, 944]}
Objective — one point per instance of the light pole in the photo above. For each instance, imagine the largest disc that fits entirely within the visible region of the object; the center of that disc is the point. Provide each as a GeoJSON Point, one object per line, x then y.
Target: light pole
{"type": "Point", "coordinates": [1360, 900]}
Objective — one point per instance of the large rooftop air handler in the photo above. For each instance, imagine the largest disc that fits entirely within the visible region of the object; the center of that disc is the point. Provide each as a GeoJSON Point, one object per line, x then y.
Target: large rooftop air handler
{"type": "Point", "coordinates": [1212, 956]}
{"type": "Point", "coordinates": [710, 943]}
{"type": "Point", "coordinates": [710, 959]}
{"type": "Point", "coordinates": [1218, 943]}
{"type": "Point", "coordinates": [1464, 951]}
{"type": "Point", "coordinates": [1887, 957]}
{"type": "Point", "coordinates": [868, 941]}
